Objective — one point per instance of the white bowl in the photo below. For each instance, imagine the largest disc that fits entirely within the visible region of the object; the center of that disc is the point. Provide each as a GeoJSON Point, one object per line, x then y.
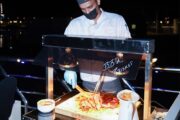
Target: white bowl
{"type": "Point", "coordinates": [134, 96]}
{"type": "Point", "coordinates": [46, 105]}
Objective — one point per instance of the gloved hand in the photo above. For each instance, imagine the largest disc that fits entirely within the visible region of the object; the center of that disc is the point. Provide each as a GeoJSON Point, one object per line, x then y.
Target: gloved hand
{"type": "Point", "coordinates": [70, 77]}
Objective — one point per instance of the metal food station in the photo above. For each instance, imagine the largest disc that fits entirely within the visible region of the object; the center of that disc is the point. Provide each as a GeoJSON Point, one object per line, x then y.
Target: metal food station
{"type": "Point", "coordinates": [57, 43]}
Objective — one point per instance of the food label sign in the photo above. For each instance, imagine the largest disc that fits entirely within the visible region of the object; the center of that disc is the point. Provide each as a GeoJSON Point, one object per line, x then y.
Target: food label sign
{"type": "Point", "coordinates": [124, 67]}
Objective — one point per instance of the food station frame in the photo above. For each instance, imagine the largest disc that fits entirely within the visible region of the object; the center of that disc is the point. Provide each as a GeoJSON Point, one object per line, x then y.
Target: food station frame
{"type": "Point", "coordinates": [144, 47]}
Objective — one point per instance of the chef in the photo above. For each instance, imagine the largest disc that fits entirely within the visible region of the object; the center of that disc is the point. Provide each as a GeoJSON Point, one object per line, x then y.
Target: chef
{"type": "Point", "coordinates": [97, 23]}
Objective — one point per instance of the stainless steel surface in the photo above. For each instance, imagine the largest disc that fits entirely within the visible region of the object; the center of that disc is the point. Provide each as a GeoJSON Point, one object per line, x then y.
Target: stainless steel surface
{"type": "Point", "coordinates": [158, 89]}
{"type": "Point", "coordinates": [167, 69]}
{"type": "Point", "coordinates": [23, 98]}
{"type": "Point", "coordinates": [170, 69]}
{"type": "Point", "coordinates": [137, 46]}
{"type": "Point", "coordinates": [147, 87]}
{"type": "Point", "coordinates": [49, 83]}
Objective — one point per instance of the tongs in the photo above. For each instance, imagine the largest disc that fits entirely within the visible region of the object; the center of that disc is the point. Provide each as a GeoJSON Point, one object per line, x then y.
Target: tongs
{"type": "Point", "coordinates": [79, 89]}
{"type": "Point", "coordinates": [100, 81]}
{"type": "Point", "coordinates": [97, 87]}
{"type": "Point", "coordinates": [85, 93]}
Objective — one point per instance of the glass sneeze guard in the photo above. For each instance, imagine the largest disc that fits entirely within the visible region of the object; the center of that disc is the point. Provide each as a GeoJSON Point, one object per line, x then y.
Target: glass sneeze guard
{"type": "Point", "coordinates": [100, 49]}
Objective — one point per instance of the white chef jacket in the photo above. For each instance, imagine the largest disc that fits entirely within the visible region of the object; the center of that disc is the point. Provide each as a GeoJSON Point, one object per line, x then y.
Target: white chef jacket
{"type": "Point", "coordinates": [107, 25]}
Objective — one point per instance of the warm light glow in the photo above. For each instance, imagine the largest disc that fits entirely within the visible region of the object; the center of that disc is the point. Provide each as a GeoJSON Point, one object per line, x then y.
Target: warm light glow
{"type": "Point", "coordinates": [167, 22]}
{"type": "Point", "coordinates": [15, 21]}
{"type": "Point", "coordinates": [154, 60]}
{"type": "Point", "coordinates": [119, 54]}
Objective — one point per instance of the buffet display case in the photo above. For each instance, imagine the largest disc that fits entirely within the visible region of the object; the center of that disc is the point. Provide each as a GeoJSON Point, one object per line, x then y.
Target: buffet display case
{"type": "Point", "coordinates": [118, 56]}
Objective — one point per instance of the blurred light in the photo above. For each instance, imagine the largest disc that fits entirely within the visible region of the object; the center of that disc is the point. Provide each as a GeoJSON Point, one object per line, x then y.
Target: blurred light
{"type": "Point", "coordinates": [154, 60]}
{"type": "Point", "coordinates": [156, 71]}
{"type": "Point", "coordinates": [161, 21]}
{"type": "Point", "coordinates": [22, 62]}
{"type": "Point", "coordinates": [18, 60]}
{"type": "Point", "coordinates": [1, 41]}
{"type": "Point", "coordinates": [119, 54]}
{"type": "Point", "coordinates": [10, 47]}
{"type": "Point", "coordinates": [15, 21]}
{"type": "Point", "coordinates": [133, 26]}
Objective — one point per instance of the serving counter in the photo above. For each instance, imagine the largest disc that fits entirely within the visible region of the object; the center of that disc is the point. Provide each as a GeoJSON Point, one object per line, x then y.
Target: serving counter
{"type": "Point", "coordinates": [101, 49]}
{"type": "Point", "coordinates": [36, 115]}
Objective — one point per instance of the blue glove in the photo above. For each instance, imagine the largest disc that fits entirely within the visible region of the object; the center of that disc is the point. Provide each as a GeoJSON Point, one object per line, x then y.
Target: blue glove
{"type": "Point", "coordinates": [71, 78]}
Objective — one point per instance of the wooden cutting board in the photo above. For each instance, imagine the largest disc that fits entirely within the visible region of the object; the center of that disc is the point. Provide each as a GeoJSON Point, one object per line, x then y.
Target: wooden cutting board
{"type": "Point", "coordinates": [69, 108]}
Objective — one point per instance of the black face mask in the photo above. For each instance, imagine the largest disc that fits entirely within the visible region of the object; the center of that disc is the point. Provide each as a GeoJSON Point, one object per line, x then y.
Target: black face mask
{"type": "Point", "coordinates": [92, 15]}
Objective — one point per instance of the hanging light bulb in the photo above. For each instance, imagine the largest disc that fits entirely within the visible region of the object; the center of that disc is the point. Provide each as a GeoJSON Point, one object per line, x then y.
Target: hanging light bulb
{"type": "Point", "coordinates": [68, 60]}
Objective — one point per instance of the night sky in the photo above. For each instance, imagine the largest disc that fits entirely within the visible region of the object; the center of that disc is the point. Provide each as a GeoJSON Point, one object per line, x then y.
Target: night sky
{"type": "Point", "coordinates": [64, 8]}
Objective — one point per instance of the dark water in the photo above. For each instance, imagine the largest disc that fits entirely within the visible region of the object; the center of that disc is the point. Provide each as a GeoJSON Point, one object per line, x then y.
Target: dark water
{"type": "Point", "coordinates": [28, 45]}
